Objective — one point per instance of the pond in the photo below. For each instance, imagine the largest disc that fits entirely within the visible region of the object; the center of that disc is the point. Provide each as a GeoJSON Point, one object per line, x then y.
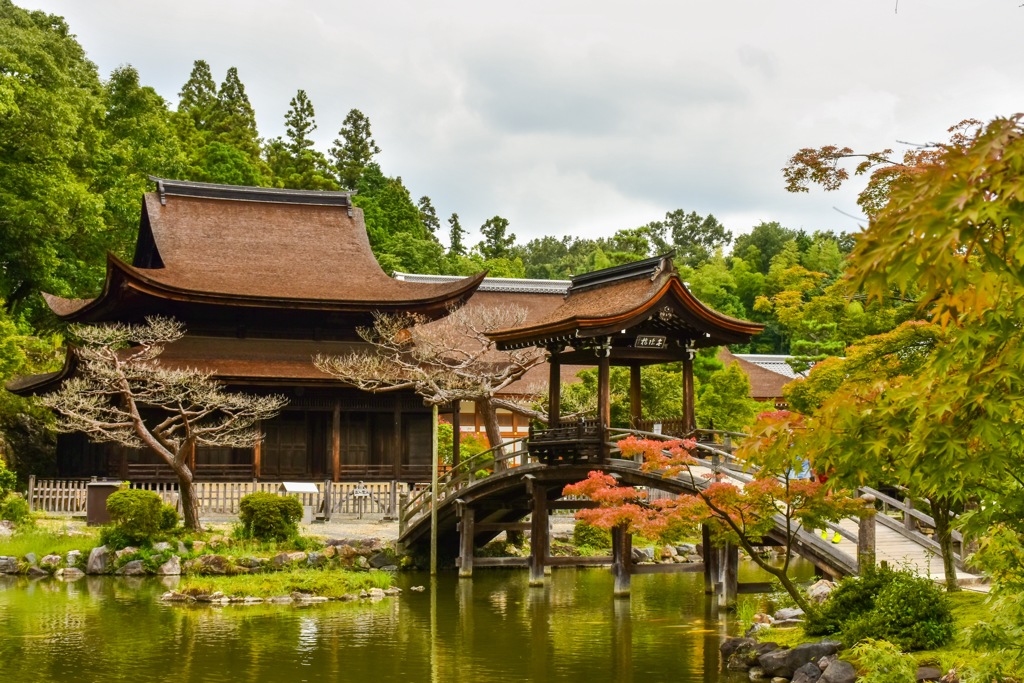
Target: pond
{"type": "Point", "coordinates": [493, 627]}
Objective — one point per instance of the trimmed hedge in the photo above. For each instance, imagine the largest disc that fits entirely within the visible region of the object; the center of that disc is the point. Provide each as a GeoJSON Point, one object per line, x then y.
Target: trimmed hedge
{"type": "Point", "coordinates": [139, 515]}
{"type": "Point", "coordinates": [268, 517]}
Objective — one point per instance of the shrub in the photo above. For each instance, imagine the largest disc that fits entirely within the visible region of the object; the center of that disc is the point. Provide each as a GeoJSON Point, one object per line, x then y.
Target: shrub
{"type": "Point", "coordinates": [137, 515]}
{"type": "Point", "coordinates": [897, 606]}
{"type": "Point", "coordinates": [14, 508]}
{"type": "Point", "coordinates": [268, 517]}
{"type": "Point", "coordinates": [585, 534]}
{"type": "Point", "coordinates": [883, 662]}
{"type": "Point", "coordinates": [8, 480]}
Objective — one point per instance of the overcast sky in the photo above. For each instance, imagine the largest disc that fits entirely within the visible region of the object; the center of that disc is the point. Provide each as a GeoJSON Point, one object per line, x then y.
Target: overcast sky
{"type": "Point", "coordinates": [585, 117]}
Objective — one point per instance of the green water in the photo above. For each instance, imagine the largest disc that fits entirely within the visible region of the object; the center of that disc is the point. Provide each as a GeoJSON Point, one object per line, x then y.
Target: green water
{"type": "Point", "coordinates": [491, 628]}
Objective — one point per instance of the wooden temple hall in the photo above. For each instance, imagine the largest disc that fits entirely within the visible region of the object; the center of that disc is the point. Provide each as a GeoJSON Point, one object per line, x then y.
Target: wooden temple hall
{"type": "Point", "coordinates": [637, 314]}
{"type": "Point", "coordinates": [263, 280]}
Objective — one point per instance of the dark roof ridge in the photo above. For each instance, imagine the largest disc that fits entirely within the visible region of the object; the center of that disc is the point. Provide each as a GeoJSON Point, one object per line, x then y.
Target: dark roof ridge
{"type": "Point", "coordinates": [649, 267]}
{"type": "Point", "coordinates": [186, 188]}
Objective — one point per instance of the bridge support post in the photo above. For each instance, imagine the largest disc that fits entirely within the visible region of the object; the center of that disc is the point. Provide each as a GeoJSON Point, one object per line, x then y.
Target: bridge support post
{"type": "Point", "coordinates": [728, 575]}
{"type": "Point", "coordinates": [710, 560]}
{"type": "Point", "coordinates": [539, 547]}
{"type": "Point", "coordinates": [466, 532]}
{"type": "Point", "coordinates": [622, 560]}
{"type": "Point", "coordinates": [866, 535]}
{"type": "Point", "coordinates": [403, 502]}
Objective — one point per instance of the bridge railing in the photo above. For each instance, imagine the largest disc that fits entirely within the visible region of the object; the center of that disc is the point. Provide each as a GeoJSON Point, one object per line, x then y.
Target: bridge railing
{"type": "Point", "coordinates": [504, 456]}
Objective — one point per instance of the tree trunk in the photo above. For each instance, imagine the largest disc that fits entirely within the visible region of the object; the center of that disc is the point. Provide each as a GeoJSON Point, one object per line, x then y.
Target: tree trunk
{"type": "Point", "coordinates": [489, 412]}
{"type": "Point", "coordinates": [944, 535]}
{"type": "Point", "coordinates": [187, 492]}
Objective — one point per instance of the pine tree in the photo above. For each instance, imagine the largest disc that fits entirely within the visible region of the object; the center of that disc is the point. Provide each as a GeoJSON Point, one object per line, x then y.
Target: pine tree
{"type": "Point", "coordinates": [198, 97]}
{"type": "Point", "coordinates": [235, 120]}
{"type": "Point", "coordinates": [455, 232]}
{"type": "Point", "coordinates": [300, 122]}
{"type": "Point", "coordinates": [353, 149]}
{"type": "Point", "coordinates": [428, 215]}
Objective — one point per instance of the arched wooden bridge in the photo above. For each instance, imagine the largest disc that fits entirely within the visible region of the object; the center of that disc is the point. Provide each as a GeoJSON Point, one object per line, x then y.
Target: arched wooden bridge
{"type": "Point", "coordinates": [472, 510]}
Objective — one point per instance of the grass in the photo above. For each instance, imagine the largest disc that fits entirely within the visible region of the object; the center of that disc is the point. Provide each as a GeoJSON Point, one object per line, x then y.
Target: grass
{"type": "Point", "coordinates": [44, 541]}
{"type": "Point", "coordinates": [329, 583]}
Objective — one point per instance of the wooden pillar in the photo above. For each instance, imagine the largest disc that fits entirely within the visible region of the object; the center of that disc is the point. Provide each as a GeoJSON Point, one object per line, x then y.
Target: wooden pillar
{"type": "Point", "coordinates": [710, 560]}
{"type": "Point", "coordinates": [689, 418]}
{"type": "Point", "coordinates": [622, 560]}
{"type": "Point", "coordinates": [866, 535]}
{"type": "Point", "coordinates": [336, 442]}
{"type": "Point", "coordinates": [539, 548]}
{"type": "Point", "coordinates": [554, 389]}
{"type": "Point", "coordinates": [635, 409]}
{"type": "Point", "coordinates": [456, 433]}
{"type": "Point", "coordinates": [466, 531]}
{"type": "Point", "coordinates": [258, 451]}
{"type": "Point", "coordinates": [729, 576]}
{"type": "Point", "coordinates": [604, 404]}
{"type": "Point", "coordinates": [396, 445]}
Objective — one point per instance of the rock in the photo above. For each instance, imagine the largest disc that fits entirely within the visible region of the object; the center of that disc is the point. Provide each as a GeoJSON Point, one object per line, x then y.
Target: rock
{"type": "Point", "coordinates": [73, 558]}
{"type": "Point", "coordinates": [928, 673]}
{"type": "Point", "coordinates": [51, 561]}
{"type": "Point", "coordinates": [668, 552]}
{"type": "Point", "coordinates": [35, 572]}
{"type": "Point", "coordinates": [788, 613]}
{"type": "Point", "coordinates": [390, 568]}
{"type": "Point", "coordinates": [418, 589]}
{"type": "Point", "coordinates": [6, 527]}
{"type": "Point", "coordinates": [950, 677]}
{"type": "Point", "coordinates": [8, 564]}
{"type": "Point", "coordinates": [685, 549]}
{"type": "Point", "coordinates": [754, 628]}
{"type": "Point", "coordinates": [360, 562]}
{"type": "Point", "coordinates": [761, 618]}
{"type": "Point", "coordinates": [215, 596]}
{"type": "Point", "coordinates": [182, 548]}
{"type": "Point", "coordinates": [172, 567]}
{"type": "Point", "coordinates": [69, 574]}
{"type": "Point", "coordinates": [780, 679]}
{"type": "Point", "coordinates": [756, 673]}
{"type": "Point", "coordinates": [774, 662]}
{"type": "Point", "coordinates": [30, 558]}
{"type": "Point", "coordinates": [730, 645]}
{"type": "Point", "coordinates": [839, 672]}
{"type": "Point", "coordinates": [693, 557]}
{"type": "Point", "coordinates": [808, 673]}
{"type": "Point", "coordinates": [133, 568]}
{"type": "Point", "coordinates": [280, 600]}
{"type": "Point", "coordinates": [175, 596]}
{"type": "Point", "coordinates": [252, 600]}
{"type": "Point", "coordinates": [787, 623]}
{"type": "Point", "coordinates": [162, 546]}
{"type": "Point", "coordinates": [217, 541]}
{"type": "Point", "coordinates": [298, 556]}
{"type": "Point", "coordinates": [394, 590]}
{"type": "Point", "coordinates": [737, 661]}
{"type": "Point", "coordinates": [209, 564]}
{"type": "Point", "coordinates": [316, 560]}
{"type": "Point", "coordinates": [376, 593]}
{"type": "Point", "coordinates": [381, 560]}
{"type": "Point", "coordinates": [279, 560]}
{"type": "Point", "coordinates": [820, 590]}
{"type": "Point", "coordinates": [126, 551]}
{"type": "Point", "coordinates": [198, 546]}
{"type": "Point", "coordinates": [825, 661]}
{"type": "Point", "coordinates": [348, 597]}
{"type": "Point", "coordinates": [330, 551]}
{"type": "Point", "coordinates": [99, 561]}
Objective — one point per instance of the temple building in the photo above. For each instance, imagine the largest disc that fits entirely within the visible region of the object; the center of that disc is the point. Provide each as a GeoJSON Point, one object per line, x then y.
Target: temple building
{"type": "Point", "coordinates": [263, 280]}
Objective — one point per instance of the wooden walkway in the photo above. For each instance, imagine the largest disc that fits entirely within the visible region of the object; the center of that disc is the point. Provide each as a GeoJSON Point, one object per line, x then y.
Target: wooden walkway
{"type": "Point", "coordinates": [502, 500]}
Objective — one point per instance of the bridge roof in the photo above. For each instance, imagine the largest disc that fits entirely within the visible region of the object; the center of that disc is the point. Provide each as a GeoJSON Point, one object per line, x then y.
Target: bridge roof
{"type": "Point", "coordinates": [643, 298]}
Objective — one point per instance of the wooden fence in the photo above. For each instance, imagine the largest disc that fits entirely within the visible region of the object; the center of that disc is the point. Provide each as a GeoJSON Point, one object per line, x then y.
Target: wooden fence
{"type": "Point", "coordinates": [68, 496]}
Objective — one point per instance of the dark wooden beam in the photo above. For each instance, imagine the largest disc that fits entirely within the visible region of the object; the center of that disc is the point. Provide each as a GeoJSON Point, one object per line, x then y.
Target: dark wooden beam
{"type": "Point", "coordinates": [501, 561]}
{"type": "Point", "coordinates": [622, 560]}
{"type": "Point", "coordinates": [668, 568]}
{"type": "Point", "coordinates": [456, 433]}
{"type": "Point", "coordinates": [336, 442]}
{"type": "Point", "coordinates": [466, 532]}
{"type": "Point", "coordinates": [689, 417]}
{"type": "Point", "coordinates": [604, 404]}
{"type": "Point", "coordinates": [635, 410]}
{"type": "Point", "coordinates": [539, 542]}
{"type": "Point", "coordinates": [554, 389]}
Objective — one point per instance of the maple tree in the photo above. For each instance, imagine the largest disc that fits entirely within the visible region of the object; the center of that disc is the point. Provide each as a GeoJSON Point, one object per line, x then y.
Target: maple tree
{"type": "Point", "coordinates": [775, 500]}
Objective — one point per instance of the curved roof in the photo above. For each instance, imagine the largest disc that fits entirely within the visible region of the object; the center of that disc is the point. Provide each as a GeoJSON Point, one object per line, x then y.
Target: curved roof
{"type": "Point", "coordinates": [613, 299]}
{"type": "Point", "coordinates": [256, 247]}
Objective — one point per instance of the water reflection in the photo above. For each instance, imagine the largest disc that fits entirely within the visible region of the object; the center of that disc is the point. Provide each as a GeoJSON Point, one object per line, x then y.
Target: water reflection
{"type": "Point", "coordinates": [494, 627]}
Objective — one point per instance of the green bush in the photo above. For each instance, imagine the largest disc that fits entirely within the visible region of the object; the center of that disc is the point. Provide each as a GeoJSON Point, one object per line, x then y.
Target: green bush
{"type": "Point", "coordinates": [138, 516]}
{"type": "Point", "coordinates": [14, 508]}
{"type": "Point", "coordinates": [268, 517]}
{"type": "Point", "coordinates": [585, 534]}
{"type": "Point", "coordinates": [8, 480]}
{"type": "Point", "coordinates": [897, 606]}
